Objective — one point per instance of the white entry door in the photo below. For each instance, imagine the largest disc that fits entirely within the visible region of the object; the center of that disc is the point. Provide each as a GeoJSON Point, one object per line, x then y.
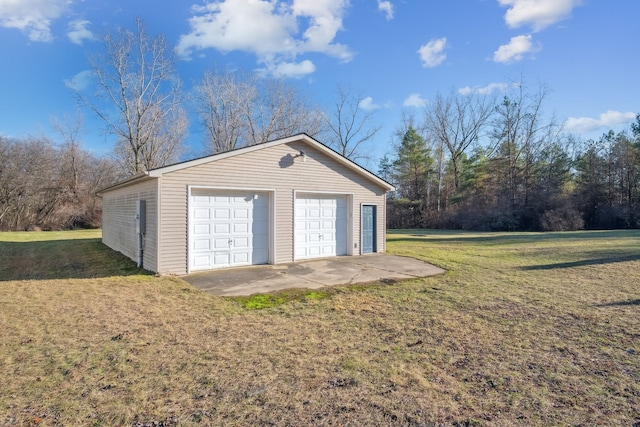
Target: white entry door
{"type": "Point", "coordinates": [228, 229]}
{"type": "Point", "coordinates": [320, 226]}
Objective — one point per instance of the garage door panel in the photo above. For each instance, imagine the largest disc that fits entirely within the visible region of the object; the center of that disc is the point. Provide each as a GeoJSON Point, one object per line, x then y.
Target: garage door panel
{"type": "Point", "coordinates": [241, 213]}
{"type": "Point", "coordinates": [328, 251]}
{"type": "Point", "coordinates": [228, 230]}
{"type": "Point", "coordinates": [320, 226]}
{"type": "Point", "coordinates": [313, 225]}
{"type": "Point", "coordinates": [221, 214]}
{"type": "Point", "coordinates": [201, 229]}
{"type": "Point", "coordinates": [201, 261]}
{"type": "Point", "coordinates": [201, 213]}
{"type": "Point", "coordinates": [202, 244]}
{"type": "Point", "coordinates": [327, 213]}
{"type": "Point", "coordinates": [221, 259]}
{"type": "Point", "coordinates": [200, 200]}
{"type": "Point", "coordinates": [240, 228]}
{"type": "Point", "coordinates": [221, 243]}
{"type": "Point", "coordinates": [328, 225]}
{"type": "Point", "coordinates": [241, 258]}
{"type": "Point", "coordinates": [313, 252]}
{"type": "Point", "coordinates": [221, 228]}
{"type": "Point", "coordinates": [241, 243]}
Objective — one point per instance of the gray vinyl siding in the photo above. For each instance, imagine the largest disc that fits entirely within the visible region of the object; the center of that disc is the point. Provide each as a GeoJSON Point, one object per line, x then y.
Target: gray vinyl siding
{"type": "Point", "coordinates": [119, 225]}
{"type": "Point", "coordinates": [271, 169]}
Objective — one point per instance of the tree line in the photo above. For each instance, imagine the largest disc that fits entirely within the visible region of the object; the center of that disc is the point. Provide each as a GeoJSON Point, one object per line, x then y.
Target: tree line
{"type": "Point", "coordinates": [467, 161]}
{"type": "Point", "coordinates": [141, 101]}
{"type": "Point", "coordinates": [48, 186]}
{"type": "Point", "coordinates": [473, 162]}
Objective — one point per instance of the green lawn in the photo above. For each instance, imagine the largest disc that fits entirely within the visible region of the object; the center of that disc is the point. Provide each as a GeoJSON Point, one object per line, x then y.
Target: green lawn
{"type": "Point", "coordinates": [524, 329]}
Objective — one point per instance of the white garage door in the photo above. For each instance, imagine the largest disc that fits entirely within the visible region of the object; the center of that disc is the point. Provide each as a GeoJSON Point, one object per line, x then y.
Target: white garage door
{"type": "Point", "coordinates": [320, 226]}
{"type": "Point", "coordinates": [228, 229]}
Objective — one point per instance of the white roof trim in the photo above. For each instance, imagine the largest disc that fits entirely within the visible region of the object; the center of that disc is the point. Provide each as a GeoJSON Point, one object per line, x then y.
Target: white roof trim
{"type": "Point", "coordinates": [155, 173]}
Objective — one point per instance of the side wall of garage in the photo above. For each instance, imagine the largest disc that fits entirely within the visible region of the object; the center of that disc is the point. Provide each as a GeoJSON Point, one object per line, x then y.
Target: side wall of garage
{"type": "Point", "coordinates": [279, 170]}
{"type": "Point", "coordinates": [119, 224]}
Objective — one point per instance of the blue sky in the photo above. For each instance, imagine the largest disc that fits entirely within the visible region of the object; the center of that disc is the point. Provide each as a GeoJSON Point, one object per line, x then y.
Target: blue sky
{"type": "Point", "coordinates": [399, 54]}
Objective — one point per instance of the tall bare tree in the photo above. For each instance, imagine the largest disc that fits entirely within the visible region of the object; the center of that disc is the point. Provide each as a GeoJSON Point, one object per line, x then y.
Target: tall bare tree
{"type": "Point", "coordinates": [138, 98]}
{"type": "Point", "coordinates": [281, 110]}
{"type": "Point", "coordinates": [73, 159]}
{"type": "Point", "coordinates": [240, 109]}
{"type": "Point", "coordinates": [456, 122]}
{"type": "Point", "coordinates": [522, 133]}
{"type": "Point", "coordinates": [349, 125]}
{"type": "Point", "coordinates": [219, 100]}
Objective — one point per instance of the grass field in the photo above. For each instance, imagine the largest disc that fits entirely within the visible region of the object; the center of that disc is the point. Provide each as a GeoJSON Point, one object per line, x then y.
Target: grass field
{"type": "Point", "coordinates": [524, 329]}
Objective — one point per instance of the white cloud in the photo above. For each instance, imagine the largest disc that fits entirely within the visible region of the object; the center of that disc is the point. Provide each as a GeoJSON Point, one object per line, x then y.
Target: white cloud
{"type": "Point", "coordinates": [275, 31]}
{"type": "Point", "coordinates": [325, 17]}
{"type": "Point", "coordinates": [608, 119]}
{"type": "Point", "coordinates": [432, 54]}
{"type": "Point", "coordinates": [79, 81]}
{"type": "Point", "coordinates": [537, 13]}
{"type": "Point", "coordinates": [77, 31]}
{"type": "Point", "coordinates": [515, 49]}
{"type": "Point", "coordinates": [415, 100]}
{"type": "Point", "coordinates": [486, 90]}
{"type": "Point", "coordinates": [33, 17]}
{"type": "Point", "coordinates": [235, 25]}
{"type": "Point", "coordinates": [290, 69]}
{"type": "Point", "coordinates": [386, 7]}
{"type": "Point", "coordinates": [368, 104]}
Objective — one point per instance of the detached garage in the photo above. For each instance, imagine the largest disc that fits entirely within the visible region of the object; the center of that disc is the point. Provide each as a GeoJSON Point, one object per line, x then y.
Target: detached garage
{"type": "Point", "coordinates": [281, 201]}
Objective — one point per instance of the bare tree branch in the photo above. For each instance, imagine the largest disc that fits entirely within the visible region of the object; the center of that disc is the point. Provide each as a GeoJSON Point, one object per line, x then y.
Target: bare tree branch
{"type": "Point", "coordinates": [349, 126]}
{"type": "Point", "coordinates": [456, 122]}
{"type": "Point", "coordinates": [138, 98]}
{"type": "Point", "coordinates": [241, 109]}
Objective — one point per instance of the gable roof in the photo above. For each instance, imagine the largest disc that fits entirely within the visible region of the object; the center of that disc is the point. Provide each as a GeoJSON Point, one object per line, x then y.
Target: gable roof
{"type": "Point", "coordinates": [302, 137]}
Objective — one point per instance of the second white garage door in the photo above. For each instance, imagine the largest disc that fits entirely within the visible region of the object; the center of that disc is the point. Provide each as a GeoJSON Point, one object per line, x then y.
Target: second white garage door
{"type": "Point", "coordinates": [320, 226]}
{"type": "Point", "coordinates": [228, 229]}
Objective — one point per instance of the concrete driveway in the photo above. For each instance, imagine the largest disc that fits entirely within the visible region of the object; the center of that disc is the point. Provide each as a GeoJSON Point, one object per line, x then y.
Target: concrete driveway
{"type": "Point", "coordinates": [311, 274]}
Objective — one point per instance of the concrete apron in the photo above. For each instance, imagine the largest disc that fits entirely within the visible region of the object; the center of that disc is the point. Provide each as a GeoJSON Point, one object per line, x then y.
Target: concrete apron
{"type": "Point", "coordinates": [311, 274]}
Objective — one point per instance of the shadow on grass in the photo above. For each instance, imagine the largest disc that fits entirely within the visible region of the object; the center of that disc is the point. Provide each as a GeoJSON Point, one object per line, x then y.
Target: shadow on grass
{"type": "Point", "coordinates": [581, 263]}
{"type": "Point", "coordinates": [619, 303]}
{"type": "Point", "coordinates": [62, 259]}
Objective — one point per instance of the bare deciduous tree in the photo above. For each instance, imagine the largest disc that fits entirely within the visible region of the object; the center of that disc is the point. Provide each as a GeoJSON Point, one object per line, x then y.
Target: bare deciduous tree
{"type": "Point", "coordinates": [281, 110]}
{"type": "Point", "coordinates": [73, 159]}
{"type": "Point", "coordinates": [28, 182]}
{"type": "Point", "coordinates": [219, 100]}
{"type": "Point", "coordinates": [41, 187]}
{"type": "Point", "coordinates": [242, 109]}
{"type": "Point", "coordinates": [456, 122]}
{"type": "Point", "coordinates": [521, 133]}
{"type": "Point", "coordinates": [349, 125]}
{"type": "Point", "coordinates": [139, 98]}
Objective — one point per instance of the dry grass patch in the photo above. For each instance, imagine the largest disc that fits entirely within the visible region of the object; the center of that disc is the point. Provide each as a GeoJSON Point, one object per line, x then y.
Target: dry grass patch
{"type": "Point", "coordinates": [525, 329]}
